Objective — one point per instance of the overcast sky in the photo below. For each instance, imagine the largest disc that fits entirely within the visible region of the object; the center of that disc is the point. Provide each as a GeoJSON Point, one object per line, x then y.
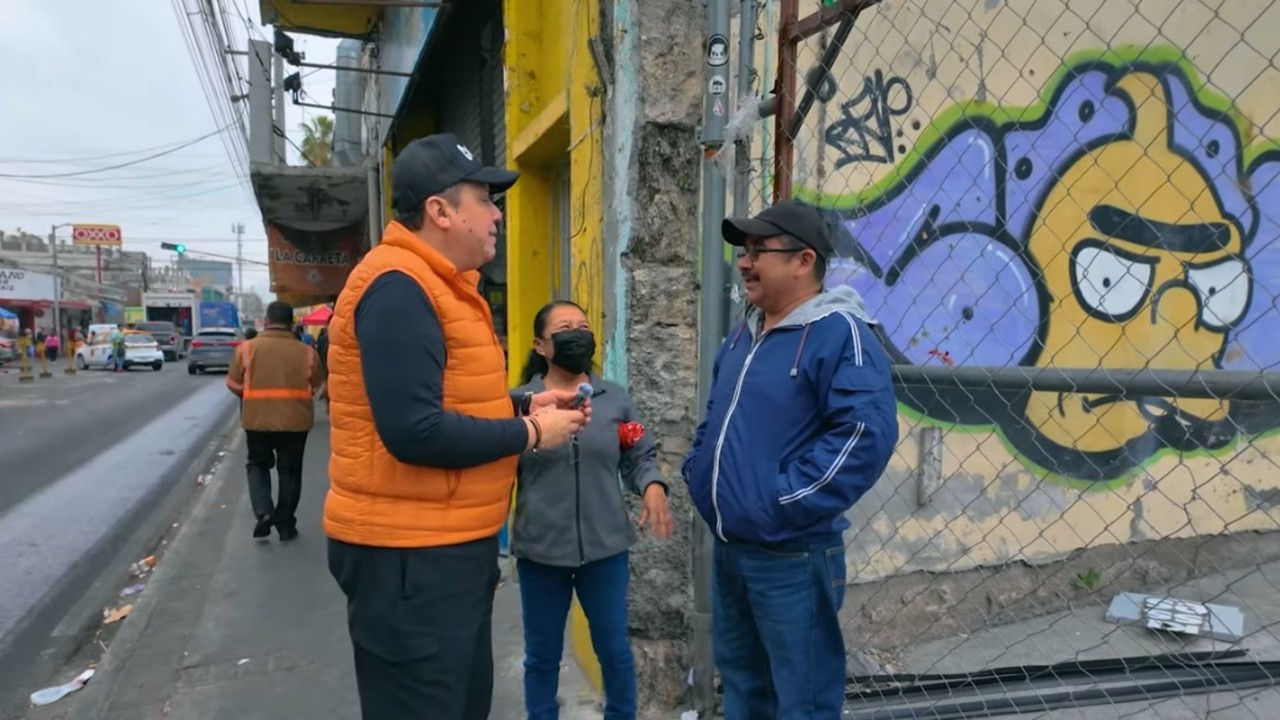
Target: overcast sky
{"type": "Point", "coordinates": [84, 79]}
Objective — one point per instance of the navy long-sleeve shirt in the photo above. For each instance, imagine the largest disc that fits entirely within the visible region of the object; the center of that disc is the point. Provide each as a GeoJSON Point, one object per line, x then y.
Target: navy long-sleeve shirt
{"type": "Point", "coordinates": [402, 351]}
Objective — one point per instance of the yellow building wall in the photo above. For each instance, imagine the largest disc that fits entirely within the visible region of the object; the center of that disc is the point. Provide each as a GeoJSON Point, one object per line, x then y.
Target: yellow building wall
{"type": "Point", "coordinates": [554, 112]}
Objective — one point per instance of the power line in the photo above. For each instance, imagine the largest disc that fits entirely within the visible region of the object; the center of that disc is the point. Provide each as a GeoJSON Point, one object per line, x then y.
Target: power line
{"type": "Point", "coordinates": [76, 161]}
{"type": "Point", "coordinates": [130, 163]}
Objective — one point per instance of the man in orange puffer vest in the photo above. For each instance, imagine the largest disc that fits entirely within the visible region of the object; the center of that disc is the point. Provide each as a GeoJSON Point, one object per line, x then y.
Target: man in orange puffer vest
{"type": "Point", "coordinates": [425, 440]}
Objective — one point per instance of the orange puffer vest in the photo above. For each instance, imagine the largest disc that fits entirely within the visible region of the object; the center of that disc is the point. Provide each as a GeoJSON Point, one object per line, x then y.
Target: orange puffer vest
{"type": "Point", "coordinates": [373, 498]}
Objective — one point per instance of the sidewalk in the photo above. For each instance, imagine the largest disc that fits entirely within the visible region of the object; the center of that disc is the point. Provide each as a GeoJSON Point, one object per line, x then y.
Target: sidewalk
{"type": "Point", "coordinates": [234, 629]}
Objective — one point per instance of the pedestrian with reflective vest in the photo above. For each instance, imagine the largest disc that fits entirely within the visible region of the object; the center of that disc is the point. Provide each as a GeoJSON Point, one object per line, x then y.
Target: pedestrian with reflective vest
{"type": "Point", "coordinates": [276, 376]}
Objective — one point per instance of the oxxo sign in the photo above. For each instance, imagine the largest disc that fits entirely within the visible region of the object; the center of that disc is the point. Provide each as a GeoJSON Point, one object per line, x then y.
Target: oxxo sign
{"type": "Point", "coordinates": [25, 285]}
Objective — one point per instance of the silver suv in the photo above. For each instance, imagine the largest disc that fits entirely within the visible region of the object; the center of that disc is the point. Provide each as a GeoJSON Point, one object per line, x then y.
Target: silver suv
{"type": "Point", "coordinates": [167, 335]}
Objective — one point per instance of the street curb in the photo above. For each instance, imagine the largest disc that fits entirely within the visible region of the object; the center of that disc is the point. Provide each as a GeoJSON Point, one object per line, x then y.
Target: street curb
{"type": "Point", "coordinates": [91, 702]}
{"type": "Point", "coordinates": [95, 579]}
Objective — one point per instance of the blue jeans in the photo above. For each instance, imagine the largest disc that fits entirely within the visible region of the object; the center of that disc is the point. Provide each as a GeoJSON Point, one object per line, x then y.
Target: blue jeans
{"type": "Point", "coordinates": [545, 594]}
{"type": "Point", "coordinates": [776, 629]}
{"type": "Point", "coordinates": [504, 540]}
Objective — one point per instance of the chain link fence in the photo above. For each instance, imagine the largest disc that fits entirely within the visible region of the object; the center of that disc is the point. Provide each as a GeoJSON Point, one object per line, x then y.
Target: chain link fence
{"type": "Point", "coordinates": [1065, 216]}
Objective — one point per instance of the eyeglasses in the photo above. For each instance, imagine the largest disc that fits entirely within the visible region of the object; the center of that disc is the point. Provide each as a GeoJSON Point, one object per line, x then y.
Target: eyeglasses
{"type": "Point", "coordinates": [755, 253]}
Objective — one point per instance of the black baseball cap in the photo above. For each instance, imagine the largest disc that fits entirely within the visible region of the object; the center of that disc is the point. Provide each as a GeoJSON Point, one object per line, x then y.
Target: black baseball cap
{"type": "Point", "coordinates": [430, 164]}
{"type": "Point", "coordinates": [790, 217]}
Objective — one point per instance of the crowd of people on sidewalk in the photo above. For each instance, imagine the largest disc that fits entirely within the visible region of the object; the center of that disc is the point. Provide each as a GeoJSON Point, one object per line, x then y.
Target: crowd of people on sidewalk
{"type": "Point", "coordinates": [429, 445]}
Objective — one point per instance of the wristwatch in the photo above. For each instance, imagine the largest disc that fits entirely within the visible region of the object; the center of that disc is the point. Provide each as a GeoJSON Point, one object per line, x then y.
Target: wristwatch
{"type": "Point", "coordinates": [526, 404]}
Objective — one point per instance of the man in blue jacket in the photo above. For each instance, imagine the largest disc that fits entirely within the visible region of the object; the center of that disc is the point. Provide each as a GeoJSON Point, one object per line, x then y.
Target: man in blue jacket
{"type": "Point", "coordinates": [800, 422]}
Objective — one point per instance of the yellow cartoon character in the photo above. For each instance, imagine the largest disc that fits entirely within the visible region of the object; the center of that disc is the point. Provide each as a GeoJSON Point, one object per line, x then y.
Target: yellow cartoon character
{"type": "Point", "coordinates": [1143, 269]}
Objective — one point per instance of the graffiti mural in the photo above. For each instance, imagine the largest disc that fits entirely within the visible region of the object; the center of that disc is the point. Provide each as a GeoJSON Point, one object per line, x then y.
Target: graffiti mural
{"type": "Point", "coordinates": [1128, 221]}
{"type": "Point", "coordinates": [864, 130]}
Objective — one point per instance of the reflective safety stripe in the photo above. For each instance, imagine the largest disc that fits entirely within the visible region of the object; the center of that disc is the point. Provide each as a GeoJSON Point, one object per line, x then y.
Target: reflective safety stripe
{"type": "Point", "coordinates": [252, 393]}
{"type": "Point", "coordinates": [277, 394]}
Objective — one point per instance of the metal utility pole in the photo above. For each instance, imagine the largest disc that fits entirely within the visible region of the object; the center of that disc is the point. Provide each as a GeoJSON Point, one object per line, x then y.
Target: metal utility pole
{"type": "Point", "coordinates": [735, 301]}
{"type": "Point", "coordinates": [711, 322]}
{"type": "Point", "coordinates": [238, 229]}
{"type": "Point", "coordinates": [278, 119]}
{"type": "Point", "coordinates": [57, 281]}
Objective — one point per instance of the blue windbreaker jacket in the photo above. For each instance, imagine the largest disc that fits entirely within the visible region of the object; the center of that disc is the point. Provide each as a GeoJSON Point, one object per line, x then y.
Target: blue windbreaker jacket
{"type": "Point", "coordinates": [800, 422]}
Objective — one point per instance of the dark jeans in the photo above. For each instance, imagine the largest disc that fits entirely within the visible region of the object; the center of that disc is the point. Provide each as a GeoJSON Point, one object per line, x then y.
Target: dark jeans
{"type": "Point", "coordinates": [776, 630]}
{"type": "Point", "coordinates": [545, 593]}
{"type": "Point", "coordinates": [420, 621]}
{"type": "Point", "coordinates": [283, 451]}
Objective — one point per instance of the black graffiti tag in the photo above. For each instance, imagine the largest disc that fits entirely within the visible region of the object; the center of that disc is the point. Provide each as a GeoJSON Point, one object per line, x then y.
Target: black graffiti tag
{"type": "Point", "coordinates": [864, 130]}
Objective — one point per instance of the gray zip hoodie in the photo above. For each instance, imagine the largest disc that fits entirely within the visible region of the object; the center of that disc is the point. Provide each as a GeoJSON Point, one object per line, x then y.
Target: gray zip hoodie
{"type": "Point", "coordinates": [569, 514]}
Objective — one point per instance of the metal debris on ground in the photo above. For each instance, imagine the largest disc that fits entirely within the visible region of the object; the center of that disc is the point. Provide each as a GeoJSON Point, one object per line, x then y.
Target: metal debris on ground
{"type": "Point", "coordinates": [1168, 614]}
{"type": "Point", "coordinates": [51, 695]}
{"type": "Point", "coordinates": [114, 616]}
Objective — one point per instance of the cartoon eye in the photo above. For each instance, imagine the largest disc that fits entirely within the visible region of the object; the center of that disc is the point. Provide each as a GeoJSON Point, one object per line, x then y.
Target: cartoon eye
{"type": "Point", "coordinates": [1224, 292]}
{"type": "Point", "coordinates": [1109, 285]}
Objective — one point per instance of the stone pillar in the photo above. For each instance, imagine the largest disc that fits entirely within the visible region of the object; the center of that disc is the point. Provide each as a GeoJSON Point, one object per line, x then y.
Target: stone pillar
{"type": "Point", "coordinates": [651, 227]}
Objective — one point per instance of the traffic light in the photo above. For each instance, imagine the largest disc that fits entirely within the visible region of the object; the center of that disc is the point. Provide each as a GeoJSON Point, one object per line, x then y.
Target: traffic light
{"type": "Point", "coordinates": [176, 247]}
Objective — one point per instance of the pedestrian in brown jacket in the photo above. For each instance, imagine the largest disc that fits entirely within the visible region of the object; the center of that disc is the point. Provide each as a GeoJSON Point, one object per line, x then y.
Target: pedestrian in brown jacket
{"type": "Point", "coordinates": [276, 376]}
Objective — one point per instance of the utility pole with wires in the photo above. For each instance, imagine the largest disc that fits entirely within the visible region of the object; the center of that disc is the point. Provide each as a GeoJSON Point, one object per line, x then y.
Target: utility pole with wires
{"type": "Point", "coordinates": [238, 229]}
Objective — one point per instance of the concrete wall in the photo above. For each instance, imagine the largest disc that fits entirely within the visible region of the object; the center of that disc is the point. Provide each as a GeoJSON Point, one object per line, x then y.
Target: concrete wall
{"type": "Point", "coordinates": [964, 149]}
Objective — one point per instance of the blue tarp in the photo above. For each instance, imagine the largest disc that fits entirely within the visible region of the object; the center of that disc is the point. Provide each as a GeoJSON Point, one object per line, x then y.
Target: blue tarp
{"type": "Point", "coordinates": [7, 315]}
{"type": "Point", "coordinates": [219, 314]}
{"type": "Point", "coordinates": [112, 312]}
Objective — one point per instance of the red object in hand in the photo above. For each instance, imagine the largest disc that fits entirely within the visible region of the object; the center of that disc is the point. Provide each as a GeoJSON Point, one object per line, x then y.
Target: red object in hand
{"type": "Point", "coordinates": [629, 434]}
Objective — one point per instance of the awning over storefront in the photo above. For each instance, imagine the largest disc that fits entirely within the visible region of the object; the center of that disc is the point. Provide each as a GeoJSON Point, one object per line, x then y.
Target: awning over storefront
{"type": "Point", "coordinates": [329, 18]}
{"type": "Point", "coordinates": [45, 304]}
{"type": "Point", "coordinates": [7, 315]}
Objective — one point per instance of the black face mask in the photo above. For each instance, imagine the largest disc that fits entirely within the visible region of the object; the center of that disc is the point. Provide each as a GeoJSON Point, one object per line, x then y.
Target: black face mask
{"type": "Point", "coordinates": [573, 349]}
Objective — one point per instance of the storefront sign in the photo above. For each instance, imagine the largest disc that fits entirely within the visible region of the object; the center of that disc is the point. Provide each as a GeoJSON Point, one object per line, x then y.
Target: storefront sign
{"type": "Point", "coordinates": [25, 285]}
{"type": "Point", "coordinates": [310, 267]}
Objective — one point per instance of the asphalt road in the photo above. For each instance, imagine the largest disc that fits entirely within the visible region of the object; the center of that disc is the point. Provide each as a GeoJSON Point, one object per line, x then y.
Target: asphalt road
{"type": "Point", "coordinates": [50, 427]}
{"type": "Point", "coordinates": [88, 467]}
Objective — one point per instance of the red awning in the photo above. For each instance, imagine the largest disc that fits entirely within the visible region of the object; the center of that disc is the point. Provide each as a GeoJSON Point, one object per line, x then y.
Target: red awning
{"type": "Point", "coordinates": [320, 316]}
{"type": "Point", "coordinates": [46, 304]}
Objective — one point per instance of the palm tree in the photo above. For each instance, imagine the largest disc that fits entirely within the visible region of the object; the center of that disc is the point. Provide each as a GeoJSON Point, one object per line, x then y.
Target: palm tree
{"type": "Point", "coordinates": [317, 141]}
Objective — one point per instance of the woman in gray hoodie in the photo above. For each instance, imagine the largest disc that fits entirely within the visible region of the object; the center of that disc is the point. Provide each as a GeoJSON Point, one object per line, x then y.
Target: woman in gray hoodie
{"type": "Point", "coordinates": [572, 529]}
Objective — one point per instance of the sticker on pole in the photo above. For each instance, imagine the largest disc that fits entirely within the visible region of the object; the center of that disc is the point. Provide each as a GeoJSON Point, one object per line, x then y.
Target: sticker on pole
{"type": "Point", "coordinates": [717, 50]}
{"type": "Point", "coordinates": [718, 109]}
{"type": "Point", "coordinates": [717, 85]}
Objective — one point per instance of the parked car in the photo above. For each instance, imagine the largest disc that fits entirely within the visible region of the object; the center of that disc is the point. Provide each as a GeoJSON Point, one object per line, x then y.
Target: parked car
{"type": "Point", "coordinates": [8, 350]}
{"type": "Point", "coordinates": [165, 333]}
{"type": "Point", "coordinates": [213, 348]}
{"type": "Point", "coordinates": [140, 349]}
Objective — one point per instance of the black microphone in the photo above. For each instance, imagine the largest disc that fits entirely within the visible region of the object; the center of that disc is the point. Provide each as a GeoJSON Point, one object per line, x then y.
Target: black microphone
{"type": "Point", "coordinates": [585, 391]}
